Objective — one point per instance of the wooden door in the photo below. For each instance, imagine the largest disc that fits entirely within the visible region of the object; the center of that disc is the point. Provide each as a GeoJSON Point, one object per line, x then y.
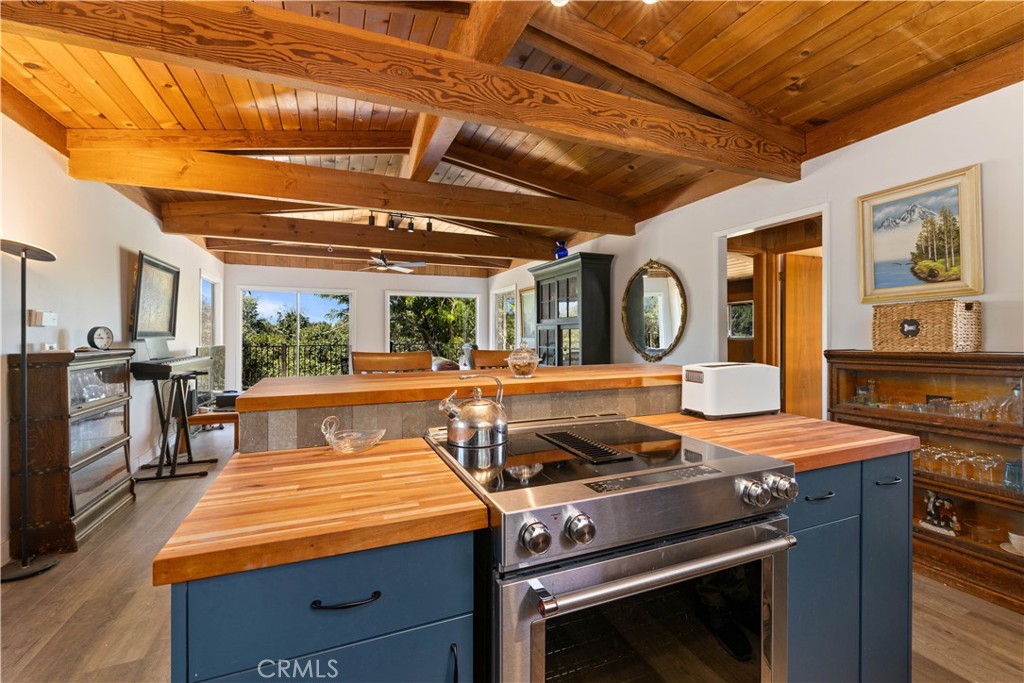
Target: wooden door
{"type": "Point", "coordinates": [800, 336]}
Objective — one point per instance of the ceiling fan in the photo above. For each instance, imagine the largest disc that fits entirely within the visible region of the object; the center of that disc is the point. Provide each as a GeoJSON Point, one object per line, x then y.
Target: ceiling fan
{"type": "Point", "coordinates": [381, 263]}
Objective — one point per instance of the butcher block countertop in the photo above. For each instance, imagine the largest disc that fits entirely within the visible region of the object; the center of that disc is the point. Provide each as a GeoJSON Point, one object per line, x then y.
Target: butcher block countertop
{"type": "Point", "coordinates": [289, 393]}
{"type": "Point", "coordinates": [807, 443]}
{"type": "Point", "coordinates": [267, 509]}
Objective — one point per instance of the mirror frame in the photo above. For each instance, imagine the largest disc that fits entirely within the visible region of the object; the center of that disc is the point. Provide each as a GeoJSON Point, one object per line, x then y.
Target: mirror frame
{"type": "Point", "coordinates": [647, 355]}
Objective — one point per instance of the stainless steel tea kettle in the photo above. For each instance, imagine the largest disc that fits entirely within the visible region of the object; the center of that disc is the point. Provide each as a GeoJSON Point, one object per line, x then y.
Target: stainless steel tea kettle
{"type": "Point", "coordinates": [476, 422]}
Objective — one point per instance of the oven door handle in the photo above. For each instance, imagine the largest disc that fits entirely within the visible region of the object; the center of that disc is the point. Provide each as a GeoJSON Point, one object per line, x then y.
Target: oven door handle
{"type": "Point", "coordinates": [548, 605]}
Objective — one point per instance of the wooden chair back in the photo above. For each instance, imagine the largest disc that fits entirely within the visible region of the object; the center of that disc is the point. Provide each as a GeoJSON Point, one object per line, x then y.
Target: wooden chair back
{"type": "Point", "coordinates": [483, 358]}
{"type": "Point", "coordinates": [368, 361]}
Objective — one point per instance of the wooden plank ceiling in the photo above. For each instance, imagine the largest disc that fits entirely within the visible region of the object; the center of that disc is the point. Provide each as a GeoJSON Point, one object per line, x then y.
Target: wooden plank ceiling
{"type": "Point", "coordinates": [273, 131]}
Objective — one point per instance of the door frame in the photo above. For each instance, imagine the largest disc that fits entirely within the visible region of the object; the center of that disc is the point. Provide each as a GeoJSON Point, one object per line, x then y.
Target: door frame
{"type": "Point", "coordinates": [718, 315]}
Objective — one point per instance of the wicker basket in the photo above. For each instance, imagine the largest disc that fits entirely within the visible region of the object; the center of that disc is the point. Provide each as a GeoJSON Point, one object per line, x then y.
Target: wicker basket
{"type": "Point", "coordinates": [942, 325]}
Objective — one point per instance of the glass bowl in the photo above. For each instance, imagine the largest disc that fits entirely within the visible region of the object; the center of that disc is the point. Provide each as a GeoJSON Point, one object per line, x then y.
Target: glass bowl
{"type": "Point", "coordinates": [980, 531]}
{"type": "Point", "coordinates": [523, 362]}
{"type": "Point", "coordinates": [354, 440]}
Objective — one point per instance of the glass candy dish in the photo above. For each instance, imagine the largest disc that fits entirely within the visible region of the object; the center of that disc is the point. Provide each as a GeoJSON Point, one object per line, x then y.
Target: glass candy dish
{"type": "Point", "coordinates": [348, 441]}
{"type": "Point", "coordinates": [523, 362]}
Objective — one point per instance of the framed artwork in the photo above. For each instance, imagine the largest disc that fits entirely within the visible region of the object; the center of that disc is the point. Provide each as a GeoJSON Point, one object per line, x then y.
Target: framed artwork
{"type": "Point", "coordinates": [922, 240]}
{"type": "Point", "coordinates": [528, 314]}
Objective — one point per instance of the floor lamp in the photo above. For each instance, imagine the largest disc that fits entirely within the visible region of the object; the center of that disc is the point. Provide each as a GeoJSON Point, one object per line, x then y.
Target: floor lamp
{"type": "Point", "coordinates": [15, 571]}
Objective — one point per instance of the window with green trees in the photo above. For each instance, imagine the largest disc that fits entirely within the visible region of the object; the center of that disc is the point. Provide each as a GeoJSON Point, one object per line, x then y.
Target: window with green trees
{"type": "Point", "coordinates": [505, 320]}
{"type": "Point", "coordinates": [439, 324]}
{"type": "Point", "coordinates": [289, 333]}
{"type": "Point", "coordinates": [741, 320]}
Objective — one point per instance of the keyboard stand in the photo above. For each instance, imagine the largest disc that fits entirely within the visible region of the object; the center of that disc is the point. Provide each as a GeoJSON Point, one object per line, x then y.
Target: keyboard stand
{"type": "Point", "coordinates": [167, 458]}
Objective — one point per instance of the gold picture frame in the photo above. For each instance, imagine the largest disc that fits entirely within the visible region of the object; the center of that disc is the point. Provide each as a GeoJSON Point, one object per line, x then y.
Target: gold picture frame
{"type": "Point", "coordinates": [922, 240]}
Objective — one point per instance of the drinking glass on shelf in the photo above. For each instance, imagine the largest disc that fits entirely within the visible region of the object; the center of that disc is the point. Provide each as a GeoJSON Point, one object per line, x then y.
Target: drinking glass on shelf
{"type": "Point", "coordinates": [986, 465]}
{"type": "Point", "coordinates": [955, 464]}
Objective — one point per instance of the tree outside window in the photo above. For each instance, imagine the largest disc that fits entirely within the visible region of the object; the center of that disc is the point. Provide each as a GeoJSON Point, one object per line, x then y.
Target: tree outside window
{"type": "Point", "coordinates": [439, 324]}
{"type": "Point", "coordinates": [293, 334]}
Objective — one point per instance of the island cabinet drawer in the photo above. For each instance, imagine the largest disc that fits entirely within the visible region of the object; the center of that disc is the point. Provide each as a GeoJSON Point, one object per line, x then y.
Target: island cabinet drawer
{"type": "Point", "coordinates": [236, 621]}
{"type": "Point", "coordinates": [826, 495]}
{"type": "Point", "coordinates": [436, 653]}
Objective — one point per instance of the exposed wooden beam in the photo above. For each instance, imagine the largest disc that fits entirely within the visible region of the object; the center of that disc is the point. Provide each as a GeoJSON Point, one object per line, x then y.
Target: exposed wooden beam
{"type": "Point", "coordinates": [456, 10]}
{"type": "Point", "coordinates": [222, 206]}
{"type": "Point", "coordinates": [270, 45]}
{"type": "Point", "coordinates": [704, 187]}
{"type": "Point", "coordinates": [26, 114]}
{"type": "Point", "coordinates": [249, 141]}
{"type": "Point", "coordinates": [250, 247]}
{"type": "Point", "coordinates": [305, 231]}
{"type": "Point", "coordinates": [975, 78]}
{"type": "Point", "coordinates": [492, 167]}
{"type": "Point", "coordinates": [275, 260]}
{"type": "Point", "coordinates": [223, 174]}
{"type": "Point", "coordinates": [487, 35]}
{"type": "Point", "coordinates": [571, 29]}
{"type": "Point", "coordinates": [592, 65]}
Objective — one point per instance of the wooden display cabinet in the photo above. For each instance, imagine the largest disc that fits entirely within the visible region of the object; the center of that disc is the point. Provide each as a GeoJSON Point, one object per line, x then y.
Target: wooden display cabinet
{"type": "Point", "coordinates": [78, 459]}
{"type": "Point", "coordinates": [966, 408]}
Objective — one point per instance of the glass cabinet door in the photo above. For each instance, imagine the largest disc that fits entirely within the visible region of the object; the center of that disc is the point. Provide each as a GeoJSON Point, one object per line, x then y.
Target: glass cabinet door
{"type": "Point", "coordinates": [570, 345]}
{"type": "Point", "coordinates": [91, 384]}
{"type": "Point", "coordinates": [89, 433]}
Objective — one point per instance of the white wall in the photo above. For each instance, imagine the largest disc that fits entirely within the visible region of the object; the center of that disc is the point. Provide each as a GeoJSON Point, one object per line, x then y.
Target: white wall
{"type": "Point", "coordinates": [988, 131]}
{"type": "Point", "coordinates": [369, 304]}
{"type": "Point", "coordinates": [96, 234]}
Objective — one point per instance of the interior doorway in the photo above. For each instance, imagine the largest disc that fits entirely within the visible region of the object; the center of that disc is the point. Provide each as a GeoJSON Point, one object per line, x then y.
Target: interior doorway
{"type": "Point", "coordinates": [774, 285]}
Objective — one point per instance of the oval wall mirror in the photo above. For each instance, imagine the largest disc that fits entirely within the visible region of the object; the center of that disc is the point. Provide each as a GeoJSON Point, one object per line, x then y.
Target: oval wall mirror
{"type": "Point", "coordinates": [654, 310]}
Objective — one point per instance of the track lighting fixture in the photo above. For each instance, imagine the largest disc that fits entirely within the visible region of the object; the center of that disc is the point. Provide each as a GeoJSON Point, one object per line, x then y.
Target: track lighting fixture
{"type": "Point", "coordinates": [395, 222]}
{"type": "Point", "coordinates": [373, 219]}
{"type": "Point", "coordinates": [391, 222]}
{"type": "Point", "coordinates": [411, 228]}
{"type": "Point", "coordinates": [430, 226]}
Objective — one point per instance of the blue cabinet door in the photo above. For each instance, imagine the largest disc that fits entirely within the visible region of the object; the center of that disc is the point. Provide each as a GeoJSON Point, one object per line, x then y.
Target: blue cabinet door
{"type": "Point", "coordinates": [824, 603]}
{"type": "Point", "coordinates": [427, 654]}
{"type": "Point", "coordinates": [886, 569]}
{"type": "Point", "coordinates": [238, 620]}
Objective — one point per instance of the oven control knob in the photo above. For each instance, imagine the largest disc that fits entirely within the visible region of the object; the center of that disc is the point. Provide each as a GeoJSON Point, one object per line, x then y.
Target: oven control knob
{"type": "Point", "coordinates": [782, 486]}
{"type": "Point", "coordinates": [757, 494]}
{"type": "Point", "coordinates": [536, 538]}
{"type": "Point", "coordinates": [580, 529]}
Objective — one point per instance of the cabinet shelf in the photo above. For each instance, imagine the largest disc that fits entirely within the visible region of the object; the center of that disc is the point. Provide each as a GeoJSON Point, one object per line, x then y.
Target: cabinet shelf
{"type": "Point", "coordinates": [955, 403]}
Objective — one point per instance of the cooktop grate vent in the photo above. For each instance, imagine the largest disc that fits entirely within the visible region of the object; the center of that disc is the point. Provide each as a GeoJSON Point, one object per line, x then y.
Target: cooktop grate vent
{"type": "Point", "coordinates": [592, 451]}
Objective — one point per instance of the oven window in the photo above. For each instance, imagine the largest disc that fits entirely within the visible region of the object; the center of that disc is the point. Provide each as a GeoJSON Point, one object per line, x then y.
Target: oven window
{"type": "Point", "coordinates": [706, 629]}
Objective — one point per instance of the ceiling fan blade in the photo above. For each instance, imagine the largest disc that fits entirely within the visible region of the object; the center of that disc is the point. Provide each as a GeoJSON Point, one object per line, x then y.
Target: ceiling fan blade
{"type": "Point", "coordinates": [411, 264]}
{"type": "Point", "coordinates": [399, 269]}
{"type": "Point", "coordinates": [367, 268]}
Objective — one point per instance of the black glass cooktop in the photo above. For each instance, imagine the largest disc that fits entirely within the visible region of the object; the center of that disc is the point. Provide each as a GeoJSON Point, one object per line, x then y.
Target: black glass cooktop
{"type": "Point", "coordinates": [559, 453]}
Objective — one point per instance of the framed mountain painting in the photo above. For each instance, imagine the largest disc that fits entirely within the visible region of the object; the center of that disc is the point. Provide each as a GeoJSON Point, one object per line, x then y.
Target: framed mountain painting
{"type": "Point", "coordinates": [922, 240]}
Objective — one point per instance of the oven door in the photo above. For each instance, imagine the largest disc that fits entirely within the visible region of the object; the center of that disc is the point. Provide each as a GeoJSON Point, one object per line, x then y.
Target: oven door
{"type": "Point", "coordinates": [711, 606]}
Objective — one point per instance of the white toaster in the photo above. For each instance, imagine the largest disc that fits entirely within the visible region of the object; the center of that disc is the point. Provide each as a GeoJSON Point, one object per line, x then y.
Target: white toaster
{"type": "Point", "coordinates": [717, 390]}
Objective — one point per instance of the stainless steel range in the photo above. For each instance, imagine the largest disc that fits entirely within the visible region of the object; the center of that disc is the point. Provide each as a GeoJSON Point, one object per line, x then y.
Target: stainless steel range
{"type": "Point", "coordinates": [624, 552]}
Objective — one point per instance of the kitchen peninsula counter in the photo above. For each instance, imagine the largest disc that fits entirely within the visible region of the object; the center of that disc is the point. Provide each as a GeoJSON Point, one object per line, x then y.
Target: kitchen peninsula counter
{"type": "Point", "coordinates": [286, 412]}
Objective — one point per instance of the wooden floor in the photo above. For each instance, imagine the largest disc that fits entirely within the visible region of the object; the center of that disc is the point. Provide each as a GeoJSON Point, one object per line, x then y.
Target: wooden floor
{"type": "Point", "coordinates": [96, 616]}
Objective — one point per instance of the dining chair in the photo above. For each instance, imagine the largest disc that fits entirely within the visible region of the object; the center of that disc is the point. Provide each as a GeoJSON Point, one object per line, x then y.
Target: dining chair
{"type": "Point", "coordinates": [364, 362]}
{"type": "Point", "coordinates": [483, 358]}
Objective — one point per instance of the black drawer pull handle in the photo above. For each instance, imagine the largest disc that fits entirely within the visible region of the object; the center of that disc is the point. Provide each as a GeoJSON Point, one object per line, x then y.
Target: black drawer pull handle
{"type": "Point", "coordinates": [895, 480]}
{"type": "Point", "coordinates": [454, 649]}
{"type": "Point", "coordinates": [818, 499]}
{"type": "Point", "coordinates": [375, 595]}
